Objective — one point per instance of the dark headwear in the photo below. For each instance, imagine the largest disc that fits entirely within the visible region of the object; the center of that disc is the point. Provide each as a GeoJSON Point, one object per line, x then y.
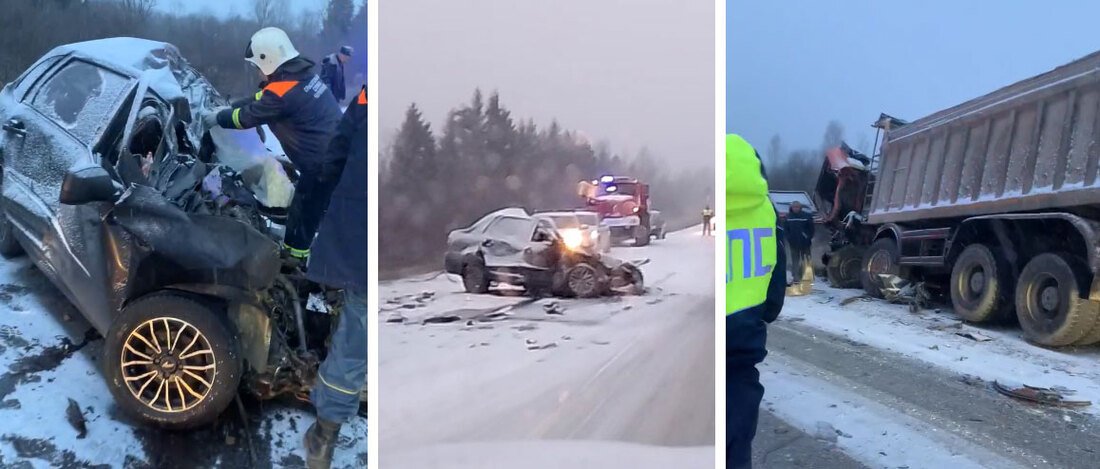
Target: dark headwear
{"type": "Point", "coordinates": [346, 50]}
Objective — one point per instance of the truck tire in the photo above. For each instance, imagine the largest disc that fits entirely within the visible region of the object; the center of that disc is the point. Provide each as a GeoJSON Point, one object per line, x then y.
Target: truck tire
{"type": "Point", "coordinates": [172, 342]}
{"type": "Point", "coordinates": [844, 267]}
{"type": "Point", "coordinates": [474, 278]}
{"type": "Point", "coordinates": [1049, 304]}
{"type": "Point", "coordinates": [881, 258]}
{"type": "Point", "coordinates": [641, 235]}
{"type": "Point", "coordinates": [1094, 335]}
{"type": "Point", "coordinates": [979, 286]}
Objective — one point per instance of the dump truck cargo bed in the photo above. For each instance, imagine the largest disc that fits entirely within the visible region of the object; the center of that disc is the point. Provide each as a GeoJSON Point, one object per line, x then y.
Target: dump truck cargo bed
{"type": "Point", "coordinates": [1030, 146]}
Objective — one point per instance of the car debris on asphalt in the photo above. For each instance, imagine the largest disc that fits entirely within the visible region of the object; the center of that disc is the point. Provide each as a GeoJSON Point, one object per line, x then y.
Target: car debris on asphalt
{"type": "Point", "coordinates": [1053, 396]}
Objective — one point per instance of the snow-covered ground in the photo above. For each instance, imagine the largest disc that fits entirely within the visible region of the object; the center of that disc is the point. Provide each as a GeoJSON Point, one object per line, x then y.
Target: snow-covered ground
{"type": "Point", "coordinates": [893, 388]}
{"type": "Point", "coordinates": [44, 371]}
{"type": "Point", "coordinates": [504, 380]}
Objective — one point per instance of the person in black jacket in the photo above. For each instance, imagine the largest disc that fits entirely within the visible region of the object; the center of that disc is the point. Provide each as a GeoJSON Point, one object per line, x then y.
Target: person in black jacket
{"type": "Point", "coordinates": [332, 72]}
{"type": "Point", "coordinates": [800, 235]}
{"type": "Point", "coordinates": [296, 105]}
{"type": "Point", "coordinates": [339, 260]}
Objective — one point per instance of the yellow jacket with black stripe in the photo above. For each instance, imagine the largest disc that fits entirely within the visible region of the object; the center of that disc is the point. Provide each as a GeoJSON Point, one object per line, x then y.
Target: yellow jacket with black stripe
{"type": "Point", "coordinates": [753, 242]}
{"type": "Point", "coordinates": [298, 108]}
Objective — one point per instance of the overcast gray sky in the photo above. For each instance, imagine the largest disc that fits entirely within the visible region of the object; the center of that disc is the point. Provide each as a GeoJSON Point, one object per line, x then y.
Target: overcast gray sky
{"type": "Point", "coordinates": [634, 72]}
{"type": "Point", "coordinates": [794, 65]}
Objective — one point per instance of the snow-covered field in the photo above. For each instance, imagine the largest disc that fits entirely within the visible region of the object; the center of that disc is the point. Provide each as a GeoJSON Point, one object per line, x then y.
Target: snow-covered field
{"type": "Point", "coordinates": [44, 371]}
{"type": "Point", "coordinates": [503, 381]}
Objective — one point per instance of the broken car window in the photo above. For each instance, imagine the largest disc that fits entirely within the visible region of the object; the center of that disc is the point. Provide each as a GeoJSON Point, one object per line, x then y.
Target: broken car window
{"type": "Point", "coordinates": [80, 98]}
{"type": "Point", "coordinates": [510, 227]}
{"type": "Point", "coordinates": [31, 76]}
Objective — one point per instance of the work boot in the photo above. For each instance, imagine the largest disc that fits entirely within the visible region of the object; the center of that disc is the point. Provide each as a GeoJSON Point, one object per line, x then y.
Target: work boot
{"type": "Point", "coordinates": [320, 442]}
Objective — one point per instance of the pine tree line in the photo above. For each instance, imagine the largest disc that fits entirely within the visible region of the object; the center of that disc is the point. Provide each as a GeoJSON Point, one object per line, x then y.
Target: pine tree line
{"type": "Point", "coordinates": [484, 159]}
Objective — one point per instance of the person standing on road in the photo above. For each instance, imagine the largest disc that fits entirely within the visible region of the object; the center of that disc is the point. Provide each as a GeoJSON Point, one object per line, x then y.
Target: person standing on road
{"type": "Point", "coordinates": [708, 214]}
{"type": "Point", "coordinates": [755, 271]}
{"type": "Point", "coordinates": [303, 115]}
{"type": "Point", "coordinates": [340, 261]}
{"type": "Point", "coordinates": [799, 229]}
{"type": "Point", "coordinates": [332, 72]}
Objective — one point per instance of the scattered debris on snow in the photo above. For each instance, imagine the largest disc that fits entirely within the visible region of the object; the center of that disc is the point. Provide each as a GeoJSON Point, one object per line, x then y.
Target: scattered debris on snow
{"type": "Point", "coordinates": [1054, 396]}
{"type": "Point", "coordinates": [974, 336]}
{"type": "Point", "coordinates": [76, 419]}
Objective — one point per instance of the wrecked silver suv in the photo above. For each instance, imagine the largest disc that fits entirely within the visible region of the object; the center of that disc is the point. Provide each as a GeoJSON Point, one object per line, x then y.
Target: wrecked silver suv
{"type": "Point", "coordinates": [510, 247]}
{"type": "Point", "coordinates": [127, 205]}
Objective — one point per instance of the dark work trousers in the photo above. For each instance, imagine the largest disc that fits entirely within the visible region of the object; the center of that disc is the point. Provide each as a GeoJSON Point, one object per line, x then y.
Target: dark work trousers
{"type": "Point", "coordinates": [800, 257]}
{"type": "Point", "coordinates": [746, 335]}
{"type": "Point", "coordinates": [307, 208]}
{"type": "Point", "coordinates": [706, 226]}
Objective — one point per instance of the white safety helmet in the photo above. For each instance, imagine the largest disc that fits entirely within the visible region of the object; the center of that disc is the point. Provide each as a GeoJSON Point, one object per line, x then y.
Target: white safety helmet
{"type": "Point", "coordinates": [270, 48]}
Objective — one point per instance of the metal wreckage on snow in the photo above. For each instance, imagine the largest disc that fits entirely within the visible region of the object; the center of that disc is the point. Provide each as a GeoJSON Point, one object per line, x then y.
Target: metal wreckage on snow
{"type": "Point", "coordinates": [162, 233]}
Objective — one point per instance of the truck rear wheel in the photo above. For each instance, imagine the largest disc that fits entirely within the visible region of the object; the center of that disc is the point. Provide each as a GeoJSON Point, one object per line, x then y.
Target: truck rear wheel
{"type": "Point", "coordinates": [881, 258]}
{"type": "Point", "coordinates": [844, 267]}
{"type": "Point", "coordinates": [1048, 302]}
{"type": "Point", "coordinates": [979, 289]}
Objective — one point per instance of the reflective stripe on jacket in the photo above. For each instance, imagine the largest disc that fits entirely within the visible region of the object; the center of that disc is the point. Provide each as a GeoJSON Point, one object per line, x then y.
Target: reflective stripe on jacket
{"type": "Point", "coordinates": [750, 241]}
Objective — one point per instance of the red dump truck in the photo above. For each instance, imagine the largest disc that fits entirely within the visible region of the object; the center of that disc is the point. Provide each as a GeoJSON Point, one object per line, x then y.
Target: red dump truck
{"type": "Point", "coordinates": [997, 198]}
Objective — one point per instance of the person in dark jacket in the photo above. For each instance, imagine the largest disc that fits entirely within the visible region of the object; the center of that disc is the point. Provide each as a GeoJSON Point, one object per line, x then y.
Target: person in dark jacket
{"type": "Point", "coordinates": [296, 105]}
{"type": "Point", "coordinates": [800, 235]}
{"type": "Point", "coordinates": [755, 271]}
{"type": "Point", "coordinates": [332, 72]}
{"type": "Point", "coordinates": [339, 260]}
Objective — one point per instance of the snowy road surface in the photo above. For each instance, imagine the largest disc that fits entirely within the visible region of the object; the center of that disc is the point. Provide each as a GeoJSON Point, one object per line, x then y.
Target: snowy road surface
{"type": "Point", "coordinates": [890, 388]}
{"type": "Point", "coordinates": [617, 382]}
{"type": "Point", "coordinates": [42, 371]}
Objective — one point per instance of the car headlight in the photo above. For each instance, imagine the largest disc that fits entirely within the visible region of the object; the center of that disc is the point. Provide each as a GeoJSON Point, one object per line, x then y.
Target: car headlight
{"type": "Point", "coordinates": [572, 238]}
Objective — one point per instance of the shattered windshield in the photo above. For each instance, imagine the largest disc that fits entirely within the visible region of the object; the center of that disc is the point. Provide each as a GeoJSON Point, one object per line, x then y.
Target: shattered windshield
{"type": "Point", "coordinates": [621, 188]}
{"type": "Point", "coordinates": [511, 227]}
{"type": "Point", "coordinates": [80, 98]}
{"type": "Point", "coordinates": [565, 221]}
{"type": "Point", "coordinates": [590, 219]}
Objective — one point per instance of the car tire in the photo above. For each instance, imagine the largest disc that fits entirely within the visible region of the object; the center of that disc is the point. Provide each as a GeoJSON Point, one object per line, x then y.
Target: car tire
{"type": "Point", "coordinates": [9, 246]}
{"type": "Point", "coordinates": [206, 372]}
{"type": "Point", "coordinates": [585, 281]}
{"type": "Point", "coordinates": [978, 286]}
{"type": "Point", "coordinates": [843, 269]}
{"type": "Point", "coordinates": [641, 235]}
{"type": "Point", "coordinates": [1048, 302]}
{"type": "Point", "coordinates": [881, 258]}
{"type": "Point", "coordinates": [474, 278]}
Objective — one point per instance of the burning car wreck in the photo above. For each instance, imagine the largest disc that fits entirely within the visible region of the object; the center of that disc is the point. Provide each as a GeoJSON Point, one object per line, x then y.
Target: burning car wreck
{"type": "Point", "coordinates": [511, 247]}
{"type": "Point", "coordinates": [163, 234]}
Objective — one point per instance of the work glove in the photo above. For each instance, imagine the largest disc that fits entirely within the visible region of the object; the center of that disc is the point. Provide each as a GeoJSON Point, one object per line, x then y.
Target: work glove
{"type": "Point", "coordinates": [210, 118]}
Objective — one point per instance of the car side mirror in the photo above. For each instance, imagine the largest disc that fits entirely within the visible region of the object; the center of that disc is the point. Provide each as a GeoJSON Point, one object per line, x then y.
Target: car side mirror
{"type": "Point", "coordinates": [541, 236]}
{"type": "Point", "coordinates": [87, 184]}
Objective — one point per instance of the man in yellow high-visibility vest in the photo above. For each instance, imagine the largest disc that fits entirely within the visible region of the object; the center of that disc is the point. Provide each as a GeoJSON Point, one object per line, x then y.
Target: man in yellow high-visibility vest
{"type": "Point", "coordinates": [755, 281]}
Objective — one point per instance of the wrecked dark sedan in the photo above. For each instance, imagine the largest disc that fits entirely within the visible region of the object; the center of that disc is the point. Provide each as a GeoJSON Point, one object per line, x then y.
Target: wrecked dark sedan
{"type": "Point", "coordinates": [511, 247]}
{"type": "Point", "coordinates": [163, 234]}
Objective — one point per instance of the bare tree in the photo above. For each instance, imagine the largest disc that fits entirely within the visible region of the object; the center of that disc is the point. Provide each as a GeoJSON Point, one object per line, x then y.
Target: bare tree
{"type": "Point", "coordinates": [138, 8]}
{"type": "Point", "coordinates": [269, 12]}
{"type": "Point", "coordinates": [834, 134]}
{"type": "Point", "coordinates": [775, 149]}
